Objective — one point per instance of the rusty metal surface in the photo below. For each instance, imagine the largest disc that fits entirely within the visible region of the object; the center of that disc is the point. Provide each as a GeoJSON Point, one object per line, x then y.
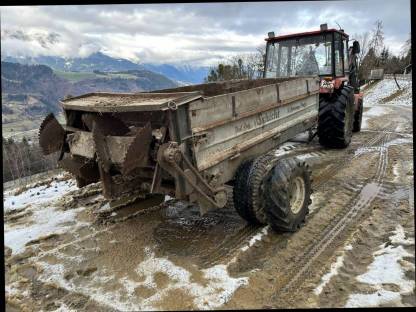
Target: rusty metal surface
{"type": "Point", "coordinates": [157, 175]}
{"type": "Point", "coordinates": [81, 143]}
{"type": "Point", "coordinates": [138, 152]}
{"type": "Point", "coordinates": [101, 148]}
{"type": "Point", "coordinates": [109, 125]}
{"type": "Point", "coordinates": [86, 169]}
{"type": "Point", "coordinates": [51, 135]}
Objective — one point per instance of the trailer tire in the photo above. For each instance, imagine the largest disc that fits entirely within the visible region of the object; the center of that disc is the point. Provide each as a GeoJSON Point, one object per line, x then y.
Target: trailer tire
{"type": "Point", "coordinates": [248, 189]}
{"type": "Point", "coordinates": [287, 195]}
{"type": "Point", "coordinates": [336, 115]}
{"type": "Point", "coordinates": [81, 182]}
{"type": "Point", "coordinates": [358, 117]}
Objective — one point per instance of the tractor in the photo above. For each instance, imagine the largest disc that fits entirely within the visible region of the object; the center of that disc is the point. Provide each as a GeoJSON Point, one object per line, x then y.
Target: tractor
{"type": "Point", "coordinates": [324, 53]}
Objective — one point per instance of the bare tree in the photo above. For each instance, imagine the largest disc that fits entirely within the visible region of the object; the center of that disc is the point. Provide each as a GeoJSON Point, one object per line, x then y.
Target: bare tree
{"type": "Point", "coordinates": [241, 66]}
{"type": "Point", "coordinates": [363, 39]}
{"type": "Point", "coordinates": [377, 39]}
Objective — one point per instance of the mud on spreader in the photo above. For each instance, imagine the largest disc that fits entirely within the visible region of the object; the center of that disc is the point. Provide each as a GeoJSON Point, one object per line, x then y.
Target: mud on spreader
{"type": "Point", "coordinates": [117, 144]}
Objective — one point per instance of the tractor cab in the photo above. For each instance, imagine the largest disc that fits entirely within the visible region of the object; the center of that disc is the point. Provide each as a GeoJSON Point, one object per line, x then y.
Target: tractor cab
{"type": "Point", "coordinates": [322, 53]}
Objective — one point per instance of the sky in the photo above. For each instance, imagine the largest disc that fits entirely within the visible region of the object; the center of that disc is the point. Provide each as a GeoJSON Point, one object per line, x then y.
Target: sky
{"type": "Point", "coordinates": [189, 33]}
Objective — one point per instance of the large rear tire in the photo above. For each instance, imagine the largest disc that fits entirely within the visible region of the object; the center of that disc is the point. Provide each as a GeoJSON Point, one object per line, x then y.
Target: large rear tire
{"type": "Point", "coordinates": [248, 189]}
{"type": "Point", "coordinates": [336, 115]}
{"type": "Point", "coordinates": [358, 117]}
{"type": "Point", "coordinates": [287, 195]}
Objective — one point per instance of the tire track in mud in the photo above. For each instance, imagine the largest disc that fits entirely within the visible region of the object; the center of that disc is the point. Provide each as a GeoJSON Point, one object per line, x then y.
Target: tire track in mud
{"type": "Point", "coordinates": [113, 223]}
{"type": "Point", "coordinates": [233, 243]}
{"type": "Point", "coordinates": [297, 273]}
{"type": "Point", "coordinates": [229, 246]}
{"type": "Point", "coordinates": [325, 176]}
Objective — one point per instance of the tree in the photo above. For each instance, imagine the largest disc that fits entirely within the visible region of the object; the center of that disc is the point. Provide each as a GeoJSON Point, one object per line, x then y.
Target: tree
{"type": "Point", "coordinates": [242, 66]}
{"type": "Point", "coordinates": [384, 56]}
{"type": "Point", "coordinates": [377, 39]}
{"type": "Point", "coordinates": [363, 39]}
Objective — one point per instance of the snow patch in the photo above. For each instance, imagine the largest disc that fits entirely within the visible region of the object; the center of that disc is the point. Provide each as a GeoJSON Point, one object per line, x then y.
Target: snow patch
{"type": "Point", "coordinates": [386, 88]}
{"type": "Point", "coordinates": [374, 111]}
{"type": "Point", "coordinates": [396, 172]}
{"type": "Point", "coordinates": [46, 221]}
{"type": "Point", "coordinates": [399, 237]}
{"type": "Point", "coordinates": [386, 268]}
{"type": "Point", "coordinates": [38, 195]}
{"type": "Point", "coordinates": [376, 299]}
{"type": "Point", "coordinates": [217, 290]}
{"type": "Point", "coordinates": [255, 238]}
{"type": "Point", "coordinates": [339, 262]}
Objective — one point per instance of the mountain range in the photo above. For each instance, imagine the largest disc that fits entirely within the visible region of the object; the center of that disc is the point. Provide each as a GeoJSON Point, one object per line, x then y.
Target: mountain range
{"type": "Point", "coordinates": [184, 74]}
{"type": "Point", "coordinates": [29, 92]}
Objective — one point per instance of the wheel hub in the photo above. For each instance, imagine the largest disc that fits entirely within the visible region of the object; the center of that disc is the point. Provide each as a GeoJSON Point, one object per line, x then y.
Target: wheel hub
{"type": "Point", "coordinates": [297, 197]}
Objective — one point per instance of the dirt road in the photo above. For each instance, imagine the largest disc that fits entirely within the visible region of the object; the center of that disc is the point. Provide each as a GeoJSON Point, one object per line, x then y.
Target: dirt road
{"type": "Point", "coordinates": [66, 249]}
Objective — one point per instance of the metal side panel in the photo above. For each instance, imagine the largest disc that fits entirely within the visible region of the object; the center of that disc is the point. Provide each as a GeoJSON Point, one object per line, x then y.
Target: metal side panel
{"type": "Point", "coordinates": [224, 171]}
{"type": "Point", "coordinates": [217, 110]}
{"type": "Point", "coordinates": [230, 139]}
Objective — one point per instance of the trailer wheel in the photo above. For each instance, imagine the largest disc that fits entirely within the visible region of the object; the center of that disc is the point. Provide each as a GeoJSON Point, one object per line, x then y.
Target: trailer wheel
{"type": "Point", "coordinates": [358, 117]}
{"type": "Point", "coordinates": [81, 182]}
{"type": "Point", "coordinates": [336, 115]}
{"type": "Point", "coordinates": [248, 189]}
{"type": "Point", "coordinates": [287, 195]}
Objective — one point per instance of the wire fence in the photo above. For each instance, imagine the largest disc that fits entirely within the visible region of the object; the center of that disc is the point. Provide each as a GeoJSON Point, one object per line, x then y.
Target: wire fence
{"type": "Point", "coordinates": [399, 76]}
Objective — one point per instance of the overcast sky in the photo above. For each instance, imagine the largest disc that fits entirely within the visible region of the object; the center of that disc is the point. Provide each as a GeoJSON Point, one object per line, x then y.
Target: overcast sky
{"type": "Point", "coordinates": [198, 34]}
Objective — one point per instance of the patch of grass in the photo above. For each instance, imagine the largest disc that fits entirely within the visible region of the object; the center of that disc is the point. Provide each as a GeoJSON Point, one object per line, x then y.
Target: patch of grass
{"type": "Point", "coordinates": [75, 76]}
{"type": "Point", "coordinates": [79, 76]}
{"type": "Point", "coordinates": [122, 75]}
{"type": "Point", "coordinates": [392, 96]}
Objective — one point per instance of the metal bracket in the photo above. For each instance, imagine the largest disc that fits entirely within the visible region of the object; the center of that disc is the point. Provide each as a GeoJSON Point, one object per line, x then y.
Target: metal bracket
{"type": "Point", "coordinates": [172, 159]}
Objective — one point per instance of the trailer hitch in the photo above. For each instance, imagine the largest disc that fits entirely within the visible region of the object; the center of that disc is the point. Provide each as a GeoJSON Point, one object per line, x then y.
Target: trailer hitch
{"type": "Point", "coordinates": [171, 158]}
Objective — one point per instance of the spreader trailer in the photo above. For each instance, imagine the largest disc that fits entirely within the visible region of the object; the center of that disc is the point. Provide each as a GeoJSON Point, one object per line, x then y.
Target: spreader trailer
{"type": "Point", "coordinates": [191, 142]}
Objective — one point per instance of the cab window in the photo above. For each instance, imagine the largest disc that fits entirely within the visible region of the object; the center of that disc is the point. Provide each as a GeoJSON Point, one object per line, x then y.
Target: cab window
{"type": "Point", "coordinates": [346, 60]}
{"type": "Point", "coordinates": [339, 55]}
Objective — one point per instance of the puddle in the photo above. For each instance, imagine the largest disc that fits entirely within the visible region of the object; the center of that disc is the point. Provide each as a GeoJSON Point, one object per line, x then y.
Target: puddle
{"type": "Point", "coordinates": [184, 232]}
{"type": "Point", "coordinates": [368, 193]}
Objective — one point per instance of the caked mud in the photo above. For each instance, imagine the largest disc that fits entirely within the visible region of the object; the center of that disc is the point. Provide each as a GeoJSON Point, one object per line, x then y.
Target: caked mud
{"type": "Point", "coordinates": [73, 250]}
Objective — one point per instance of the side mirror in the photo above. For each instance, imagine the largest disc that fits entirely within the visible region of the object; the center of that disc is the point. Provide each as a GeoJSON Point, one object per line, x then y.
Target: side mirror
{"type": "Point", "coordinates": [355, 47]}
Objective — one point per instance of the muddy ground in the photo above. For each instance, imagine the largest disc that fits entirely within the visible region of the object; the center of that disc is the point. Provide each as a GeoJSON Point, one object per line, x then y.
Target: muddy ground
{"type": "Point", "coordinates": [66, 250]}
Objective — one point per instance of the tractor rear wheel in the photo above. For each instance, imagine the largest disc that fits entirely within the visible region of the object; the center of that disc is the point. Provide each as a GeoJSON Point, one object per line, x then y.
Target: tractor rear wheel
{"type": "Point", "coordinates": [287, 194]}
{"type": "Point", "coordinates": [336, 115]}
{"type": "Point", "coordinates": [358, 117]}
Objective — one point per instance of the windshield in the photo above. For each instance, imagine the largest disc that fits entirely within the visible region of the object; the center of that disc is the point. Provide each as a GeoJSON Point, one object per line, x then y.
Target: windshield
{"type": "Point", "coordinates": [299, 57]}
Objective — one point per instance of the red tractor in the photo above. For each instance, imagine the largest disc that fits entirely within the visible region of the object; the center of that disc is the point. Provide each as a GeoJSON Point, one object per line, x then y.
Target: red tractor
{"type": "Point", "coordinates": [324, 53]}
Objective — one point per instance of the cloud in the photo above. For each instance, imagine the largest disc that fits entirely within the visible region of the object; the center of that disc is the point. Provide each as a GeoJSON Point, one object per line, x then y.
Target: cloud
{"type": "Point", "coordinates": [194, 33]}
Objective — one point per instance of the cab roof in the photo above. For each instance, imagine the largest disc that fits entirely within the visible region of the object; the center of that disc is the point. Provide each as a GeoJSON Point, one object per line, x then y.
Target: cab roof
{"type": "Point", "coordinates": [306, 34]}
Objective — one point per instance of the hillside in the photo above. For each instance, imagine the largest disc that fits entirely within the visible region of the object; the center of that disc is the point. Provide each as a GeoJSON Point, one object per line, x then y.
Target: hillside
{"type": "Point", "coordinates": [98, 61]}
{"type": "Point", "coordinates": [31, 91]}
